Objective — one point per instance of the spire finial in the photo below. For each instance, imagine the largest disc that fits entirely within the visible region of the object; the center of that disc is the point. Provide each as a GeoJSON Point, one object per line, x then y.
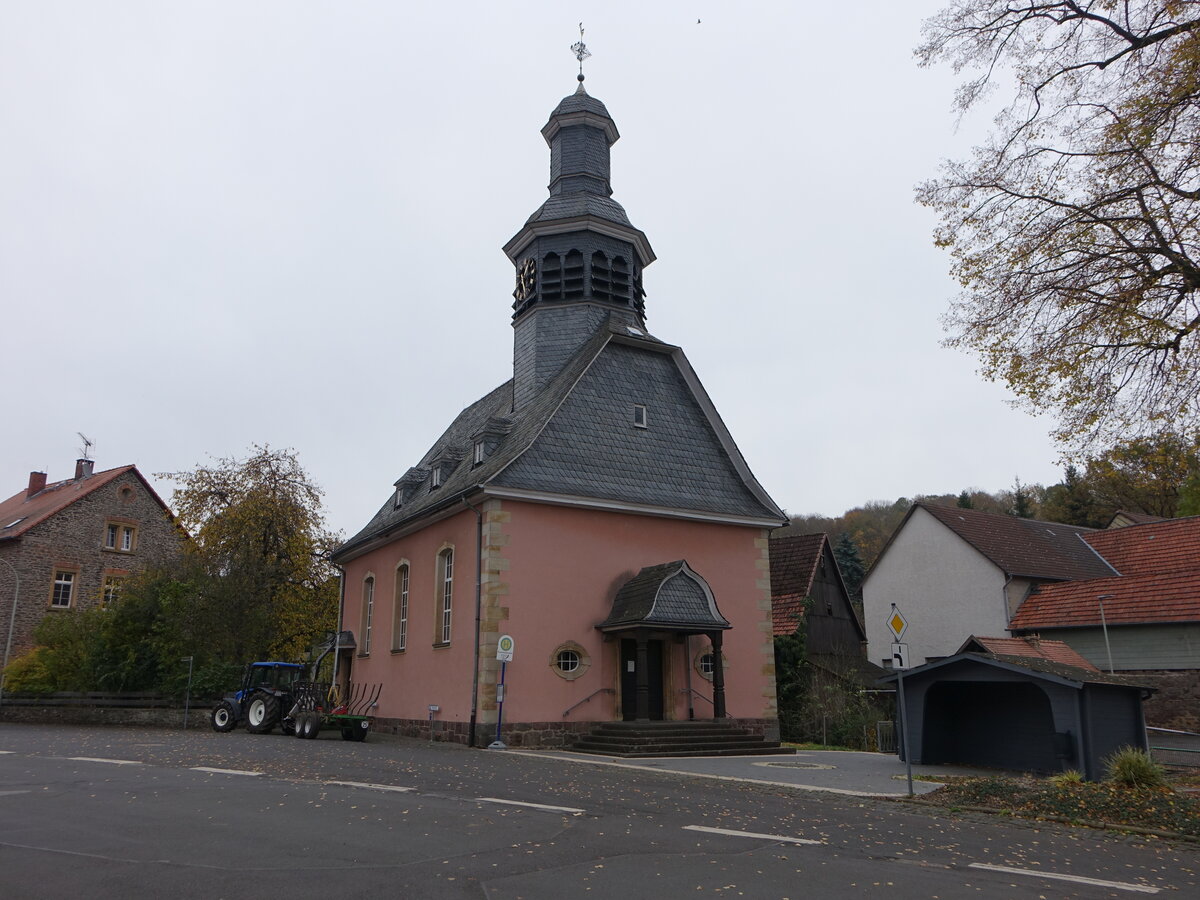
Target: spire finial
{"type": "Point", "coordinates": [581, 52]}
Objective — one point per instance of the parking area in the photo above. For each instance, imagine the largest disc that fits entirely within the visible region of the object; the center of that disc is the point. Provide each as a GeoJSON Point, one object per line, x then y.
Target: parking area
{"type": "Point", "coordinates": [839, 772]}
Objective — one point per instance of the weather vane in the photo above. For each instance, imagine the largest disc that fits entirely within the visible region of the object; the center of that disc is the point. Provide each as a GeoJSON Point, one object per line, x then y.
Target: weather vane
{"type": "Point", "coordinates": [581, 51]}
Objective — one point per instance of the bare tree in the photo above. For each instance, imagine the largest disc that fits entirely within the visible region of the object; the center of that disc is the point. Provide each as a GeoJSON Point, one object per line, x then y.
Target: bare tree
{"type": "Point", "coordinates": [1074, 229]}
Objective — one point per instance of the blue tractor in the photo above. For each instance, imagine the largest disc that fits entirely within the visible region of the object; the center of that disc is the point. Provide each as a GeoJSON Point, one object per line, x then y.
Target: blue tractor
{"type": "Point", "coordinates": [264, 700]}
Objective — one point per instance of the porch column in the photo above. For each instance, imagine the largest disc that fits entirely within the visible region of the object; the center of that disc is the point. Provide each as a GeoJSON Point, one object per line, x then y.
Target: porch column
{"type": "Point", "coordinates": [718, 676]}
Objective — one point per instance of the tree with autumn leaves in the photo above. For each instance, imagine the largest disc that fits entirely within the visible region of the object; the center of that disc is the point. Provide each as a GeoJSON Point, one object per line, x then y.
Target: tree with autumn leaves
{"type": "Point", "coordinates": [1075, 228]}
{"type": "Point", "coordinates": [261, 551]}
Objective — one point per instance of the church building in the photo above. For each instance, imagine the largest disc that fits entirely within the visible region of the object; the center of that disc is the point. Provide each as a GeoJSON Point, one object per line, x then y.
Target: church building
{"type": "Point", "coordinates": [594, 508]}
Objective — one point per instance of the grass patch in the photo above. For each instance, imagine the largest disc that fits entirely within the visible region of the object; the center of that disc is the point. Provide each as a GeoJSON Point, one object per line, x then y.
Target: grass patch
{"type": "Point", "coordinates": [1109, 802]}
{"type": "Point", "coordinates": [806, 746]}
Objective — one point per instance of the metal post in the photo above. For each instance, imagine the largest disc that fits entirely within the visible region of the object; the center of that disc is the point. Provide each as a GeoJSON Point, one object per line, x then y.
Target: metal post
{"type": "Point", "coordinates": [904, 731]}
{"type": "Point", "coordinates": [187, 697]}
{"type": "Point", "coordinates": [498, 744]}
{"type": "Point", "coordinates": [1104, 625]}
{"type": "Point", "coordinates": [12, 619]}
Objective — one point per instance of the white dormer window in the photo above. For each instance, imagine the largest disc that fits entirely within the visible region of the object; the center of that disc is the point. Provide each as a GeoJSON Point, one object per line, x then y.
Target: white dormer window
{"type": "Point", "coordinates": [639, 417]}
{"type": "Point", "coordinates": [478, 453]}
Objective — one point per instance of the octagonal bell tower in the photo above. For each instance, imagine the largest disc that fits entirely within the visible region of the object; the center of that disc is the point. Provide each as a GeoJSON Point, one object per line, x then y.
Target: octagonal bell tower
{"type": "Point", "coordinates": [578, 258]}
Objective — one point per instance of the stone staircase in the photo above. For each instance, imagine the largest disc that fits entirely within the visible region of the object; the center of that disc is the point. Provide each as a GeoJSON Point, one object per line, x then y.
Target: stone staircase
{"type": "Point", "coordinates": [705, 737]}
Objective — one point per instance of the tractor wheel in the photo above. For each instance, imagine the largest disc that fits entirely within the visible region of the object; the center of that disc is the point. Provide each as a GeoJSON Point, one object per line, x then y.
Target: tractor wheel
{"type": "Point", "coordinates": [224, 717]}
{"type": "Point", "coordinates": [311, 726]}
{"type": "Point", "coordinates": [288, 726]}
{"type": "Point", "coordinates": [262, 713]}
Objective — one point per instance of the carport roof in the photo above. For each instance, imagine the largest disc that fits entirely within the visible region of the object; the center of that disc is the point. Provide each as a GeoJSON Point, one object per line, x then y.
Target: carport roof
{"type": "Point", "coordinates": [1072, 676]}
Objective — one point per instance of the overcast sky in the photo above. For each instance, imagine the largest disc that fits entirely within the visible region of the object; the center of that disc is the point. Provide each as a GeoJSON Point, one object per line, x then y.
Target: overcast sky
{"type": "Point", "coordinates": [224, 224]}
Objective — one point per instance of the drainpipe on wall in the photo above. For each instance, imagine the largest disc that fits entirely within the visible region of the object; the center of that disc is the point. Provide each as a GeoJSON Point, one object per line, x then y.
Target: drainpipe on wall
{"type": "Point", "coordinates": [478, 616]}
{"type": "Point", "coordinates": [1004, 598]}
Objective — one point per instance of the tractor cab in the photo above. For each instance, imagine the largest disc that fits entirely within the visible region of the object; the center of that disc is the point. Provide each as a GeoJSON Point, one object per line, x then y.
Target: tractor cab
{"type": "Point", "coordinates": [271, 676]}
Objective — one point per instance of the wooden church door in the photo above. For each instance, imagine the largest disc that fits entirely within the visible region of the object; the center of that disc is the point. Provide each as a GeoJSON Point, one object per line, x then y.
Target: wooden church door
{"type": "Point", "coordinates": [629, 679]}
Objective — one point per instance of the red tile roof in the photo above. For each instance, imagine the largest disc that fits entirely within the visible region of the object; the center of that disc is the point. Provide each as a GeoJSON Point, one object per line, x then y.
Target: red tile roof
{"type": "Point", "coordinates": [1028, 648]}
{"type": "Point", "coordinates": [1024, 547]}
{"type": "Point", "coordinates": [19, 513]}
{"type": "Point", "coordinates": [1128, 600]}
{"type": "Point", "coordinates": [794, 561]}
{"type": "Point", "coordinates": [1168, 545]}
{"type": "Point", "coordinates": [1159, 581]}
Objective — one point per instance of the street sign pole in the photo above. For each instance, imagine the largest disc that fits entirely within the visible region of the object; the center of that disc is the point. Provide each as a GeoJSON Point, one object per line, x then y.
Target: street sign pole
{"type": "Point", "coordinates": [504, 653]}
{"type": "Point", "coordinates": [498, 744]}
{"type": "Point", "coordinates": [898, 625]}
{"type": "Point", "coordinates": [904, 731]}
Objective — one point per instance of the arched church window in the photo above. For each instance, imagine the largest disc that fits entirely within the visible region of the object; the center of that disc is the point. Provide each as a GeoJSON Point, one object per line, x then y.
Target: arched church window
{"type": "Point", "coordinates": [620, 279]}
{"type": "Point", "coordinates": [573, 276]}
{"type": "Point", "coordinates": [601, 277]}
{"type": "Point", "coordinates": [552, 275]}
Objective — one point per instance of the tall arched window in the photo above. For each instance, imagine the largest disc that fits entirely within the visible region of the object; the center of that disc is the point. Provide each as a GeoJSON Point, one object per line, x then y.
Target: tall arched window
{"type": "Point", "coordinates": [445, 593]}
{"type": "Point", "coordinates": [400, 609]}
{"type": "Point", "coordinates": [368, 612]}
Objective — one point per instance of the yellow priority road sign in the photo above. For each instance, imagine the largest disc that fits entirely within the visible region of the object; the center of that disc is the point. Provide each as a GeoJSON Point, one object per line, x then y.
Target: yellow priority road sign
{"type": "Point", "coordinates": [896, 622]}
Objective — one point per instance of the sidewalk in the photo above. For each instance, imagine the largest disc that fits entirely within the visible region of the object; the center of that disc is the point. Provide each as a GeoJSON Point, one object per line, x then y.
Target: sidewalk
{"type": "Point", "coordinates": [839, 772]}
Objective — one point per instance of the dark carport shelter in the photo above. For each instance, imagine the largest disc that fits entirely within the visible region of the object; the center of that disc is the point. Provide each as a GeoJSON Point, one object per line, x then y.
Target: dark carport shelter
{"type": "Point", "coordinates": [1030, 715]}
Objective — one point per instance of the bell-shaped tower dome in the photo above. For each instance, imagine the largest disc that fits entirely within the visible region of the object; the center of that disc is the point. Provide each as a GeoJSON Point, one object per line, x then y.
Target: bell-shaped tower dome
{"type": "Point", "coordinates": [578, 258]}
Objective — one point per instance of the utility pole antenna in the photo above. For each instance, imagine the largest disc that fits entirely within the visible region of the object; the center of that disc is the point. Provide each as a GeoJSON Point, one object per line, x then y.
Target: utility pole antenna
{"type": "Point", "coordinates": [86, 450]}
{"type": "Point", "coordinates": [581, 52]}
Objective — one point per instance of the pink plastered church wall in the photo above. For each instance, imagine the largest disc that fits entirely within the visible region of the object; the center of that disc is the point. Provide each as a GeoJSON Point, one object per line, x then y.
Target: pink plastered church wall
{"type": "Point", "coordinates": [550, 575]}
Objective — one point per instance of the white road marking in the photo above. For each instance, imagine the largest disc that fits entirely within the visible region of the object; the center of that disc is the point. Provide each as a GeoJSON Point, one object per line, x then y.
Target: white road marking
{"type": "Point", "coordinates": [585, 759]}
{"type": "Point", "coordinates": [6, 752]}
{"type": "Point", "coordinates": [115, 762]}
{"type": "Point", "coordinates": [542, 806]}
{"type": "Point", "coordinates": [10, 793]}
{"type": "Point", "coordinates": [749, 834]}
{"type": "Point", "coordinates": [223, 771]}
{"type": "Point", "coordinates": [1078, 879]}
{"type": "Point", "coordinates": [373, 787]}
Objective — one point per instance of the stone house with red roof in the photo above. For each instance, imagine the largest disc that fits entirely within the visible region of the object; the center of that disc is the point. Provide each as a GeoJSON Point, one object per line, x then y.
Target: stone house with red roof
{"type": "Point", "coordinates": [71, 543]}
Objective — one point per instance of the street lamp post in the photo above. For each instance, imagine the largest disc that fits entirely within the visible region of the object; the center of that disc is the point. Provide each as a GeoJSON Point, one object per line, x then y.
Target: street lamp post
{"type": "Point", "coordinates": [12, 620]}
{"type": "Point", "coordinates": [1104, 626]}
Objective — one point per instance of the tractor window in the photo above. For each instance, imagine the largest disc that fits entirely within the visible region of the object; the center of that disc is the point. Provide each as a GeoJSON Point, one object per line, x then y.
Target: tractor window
{"type": "Point", "coordinates": [260, 675]}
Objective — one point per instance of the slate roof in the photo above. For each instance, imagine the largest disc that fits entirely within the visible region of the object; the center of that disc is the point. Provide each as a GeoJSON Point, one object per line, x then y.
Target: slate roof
{"type": "Point", "coordinates": [578, 204]}
{"type": "Point", "coordinates": [580, 101]}
{"type": "Point", "coordinates": [1023, 547]}
{"type": "Point", "coordinates": [1027, 648]}
{"type": "Point", "coordinates": [1159, 581]}
{"type": "Point", "coordinates": [572, 440]}
{"type": "Point", "coordinates": [670, 596]}
{"type": "Point", "coordinates": [22, 513]}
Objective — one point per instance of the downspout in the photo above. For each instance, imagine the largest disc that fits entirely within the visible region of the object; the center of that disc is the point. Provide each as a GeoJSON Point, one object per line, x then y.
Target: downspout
{"type": "Point", "coordinates": [337, 635]}
{"type": "Point", "coordinates": [478, 616]}
{"type": "Point", "coordinates": [1008, 617]}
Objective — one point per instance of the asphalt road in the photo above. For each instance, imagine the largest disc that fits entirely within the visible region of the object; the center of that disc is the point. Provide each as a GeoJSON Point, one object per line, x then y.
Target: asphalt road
{"type": "Point", "coordinates": [125, 812]}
